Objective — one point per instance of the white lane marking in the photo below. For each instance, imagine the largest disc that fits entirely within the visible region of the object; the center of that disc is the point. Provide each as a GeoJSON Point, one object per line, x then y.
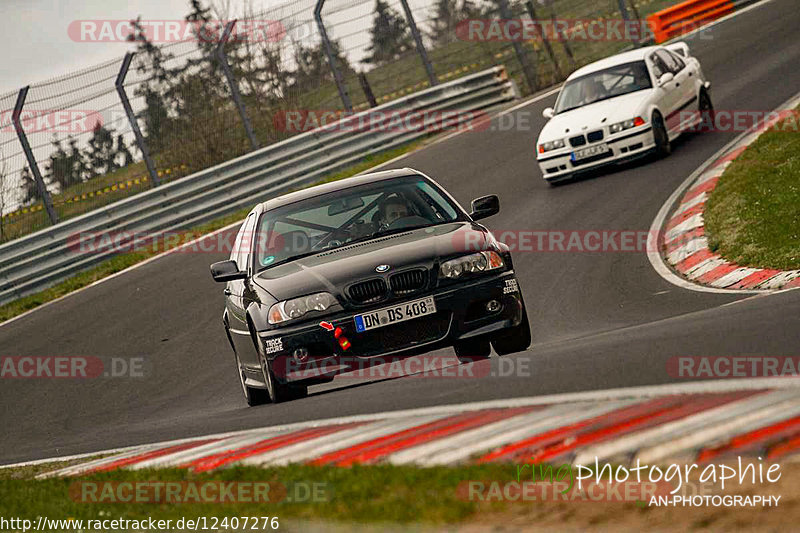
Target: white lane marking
{"type": "Point", "coordinates": [653, 251]}
{"type": "Point", "coordinates": [625, 445]}
{"type": "Point", "coordinates": [464, 445]}
{"type": "Point", "coordinates": [648, 391]}
{"type": "Point", "coordinates": [734, 277]}
{"type": "Point", "coordinates": [529, 101]}
{"type": "Point", "coordinates": [706, 434]}
{"type": "Point", "coordinates": [691, 247]}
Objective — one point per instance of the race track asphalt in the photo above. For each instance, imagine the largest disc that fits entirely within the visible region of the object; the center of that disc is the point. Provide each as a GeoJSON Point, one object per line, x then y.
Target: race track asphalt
{"type": "Point", "coordinates": [600, 319]}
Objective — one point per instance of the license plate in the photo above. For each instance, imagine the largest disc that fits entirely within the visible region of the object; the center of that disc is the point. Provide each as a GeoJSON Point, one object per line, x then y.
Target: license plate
{"type": "Point", "coordinates": [394, 314]}
{"type": "Point", "coordinates": [577, 155]}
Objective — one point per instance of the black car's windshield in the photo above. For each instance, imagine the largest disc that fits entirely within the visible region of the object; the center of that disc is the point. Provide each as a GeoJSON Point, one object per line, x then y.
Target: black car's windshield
{"type": "Point", "coordinates": [347, 216]}
{"type": "Point", "coordinates": [603, 84]}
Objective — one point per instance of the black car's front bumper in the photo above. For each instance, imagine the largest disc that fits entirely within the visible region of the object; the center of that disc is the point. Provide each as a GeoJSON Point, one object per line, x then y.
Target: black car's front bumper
{"type": "Point", "coordinates": [461, 313]}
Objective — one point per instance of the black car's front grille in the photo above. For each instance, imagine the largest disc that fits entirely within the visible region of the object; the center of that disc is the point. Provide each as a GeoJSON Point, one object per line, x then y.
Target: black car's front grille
{"type": "Point", "coordinates": [579, 140]}
{"type": "Point", "coordinates": [407, 282]}
{"type": "Point", "coordinates": [367, 292]}
{"type": "Point", "coordinates": [401, 336]}
{"type": "Point", "coordinates": [595, 136]}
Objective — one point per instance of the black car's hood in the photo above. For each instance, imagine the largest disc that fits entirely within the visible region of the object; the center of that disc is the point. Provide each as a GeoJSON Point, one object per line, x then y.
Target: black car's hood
{"type": "Point", "coordinates": [333, 270]}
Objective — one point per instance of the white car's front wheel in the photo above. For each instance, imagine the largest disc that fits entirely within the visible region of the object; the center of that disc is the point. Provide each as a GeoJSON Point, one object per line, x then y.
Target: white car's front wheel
{"type": "Point", "coordinates": [660, 136]}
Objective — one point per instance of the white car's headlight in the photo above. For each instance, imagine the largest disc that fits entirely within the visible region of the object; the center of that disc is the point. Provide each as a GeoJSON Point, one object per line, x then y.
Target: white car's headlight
{"type": "Point", "coordinates": [297, 307]}
{"type": "Point", "coordinates": [480, 262]}
{"type": "Point", "coordinates": [626, 124]}
{"type": "Point", "coordinates": [551, 145]}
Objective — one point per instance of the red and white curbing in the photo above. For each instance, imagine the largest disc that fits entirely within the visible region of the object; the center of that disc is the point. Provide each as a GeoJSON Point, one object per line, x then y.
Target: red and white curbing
{"type": "Point", "coordinates": [657, 424]}
{"type": "Point", "coordinates": [685, 245]}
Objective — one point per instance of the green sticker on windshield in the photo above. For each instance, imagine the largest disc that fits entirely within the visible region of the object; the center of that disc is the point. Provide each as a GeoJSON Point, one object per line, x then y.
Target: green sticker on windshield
{"type": "Point", "coordinates": [267, 260]}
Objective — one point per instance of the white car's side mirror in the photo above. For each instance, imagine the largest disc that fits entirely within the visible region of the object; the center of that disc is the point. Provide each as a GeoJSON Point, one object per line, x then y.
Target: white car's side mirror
{"type": "Point", "coordinates": [548, 113]}
{"type": "Point", "coordinates": [665, 78]}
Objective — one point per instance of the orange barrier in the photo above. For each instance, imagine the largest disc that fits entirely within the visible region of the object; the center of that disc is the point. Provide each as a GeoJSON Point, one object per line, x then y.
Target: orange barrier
{"type": "Point", "coordinates": [687, 16]}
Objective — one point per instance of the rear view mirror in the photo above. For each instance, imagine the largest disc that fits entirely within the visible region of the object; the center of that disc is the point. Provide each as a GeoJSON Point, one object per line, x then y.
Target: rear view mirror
{"type": "Point", "coordinates": [344, 205]}
{"type": "Point", "coordinates": [226, 271]}
{"type": "Point", "coordinates": [548, 113]}
{"type": "Point", "coordinates": [485, 206]}
{"type": "Point", "coordinates": [666, 78]}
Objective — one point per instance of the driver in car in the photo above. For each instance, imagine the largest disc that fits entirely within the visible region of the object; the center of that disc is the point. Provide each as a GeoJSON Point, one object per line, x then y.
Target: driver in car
{"type": "Point", "coordinates": [393, 209]}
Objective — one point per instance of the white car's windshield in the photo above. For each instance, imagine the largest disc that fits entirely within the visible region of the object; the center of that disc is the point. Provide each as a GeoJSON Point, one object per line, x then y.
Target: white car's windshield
{"type": "Point", "coordinates": [603, 84]}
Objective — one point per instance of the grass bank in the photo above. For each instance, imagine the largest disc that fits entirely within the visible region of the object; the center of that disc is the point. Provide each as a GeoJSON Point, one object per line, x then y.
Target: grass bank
{"type": "Point", "coordinates": [753, 215]}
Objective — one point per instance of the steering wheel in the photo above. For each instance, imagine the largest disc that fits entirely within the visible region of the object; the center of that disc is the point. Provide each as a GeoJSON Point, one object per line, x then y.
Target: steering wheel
{"type": "Point", "coordinates": [411, 220]}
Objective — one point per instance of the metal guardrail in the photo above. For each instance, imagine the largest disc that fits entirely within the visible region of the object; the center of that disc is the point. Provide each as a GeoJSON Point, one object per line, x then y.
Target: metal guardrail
{"type": "Point", "coordinates": [42, 259]}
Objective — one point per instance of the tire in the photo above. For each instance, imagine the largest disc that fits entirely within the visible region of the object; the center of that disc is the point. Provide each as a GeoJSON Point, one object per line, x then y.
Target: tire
{"type": "Point", "coordinates": [516, 339]}
{"type": "Point", "coordinates": [660, 136]}
{"type": "Point", "coordinates": [706, 108]}
{"type": "Point", "coordinates": [252, 395]}
{"type": "Point", "coordinates": [473, 350]}
{"type": "Point", "coordinates": [278, 392]}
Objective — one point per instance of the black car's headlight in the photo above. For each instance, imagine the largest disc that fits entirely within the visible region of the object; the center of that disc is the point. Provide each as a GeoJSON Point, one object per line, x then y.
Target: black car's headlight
{"type": "Point", "coordinates": [297, 307]}
{"type": "Point", "coordinates": [480, 262]}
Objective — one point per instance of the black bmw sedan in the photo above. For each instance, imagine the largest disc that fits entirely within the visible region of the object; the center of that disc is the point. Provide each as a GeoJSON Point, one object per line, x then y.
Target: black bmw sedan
{"type": "Point", "coordinates": [384, 264]}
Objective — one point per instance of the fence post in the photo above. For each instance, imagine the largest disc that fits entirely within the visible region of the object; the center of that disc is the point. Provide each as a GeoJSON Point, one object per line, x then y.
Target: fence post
{"type": "Point", "coordinates": [545, 41]}
{"type": "Point", "coordinates": [527, 69]}
{"type": "Point", "coordinates": [237, 97]}
{"type": "Point", "coordinates": [362, 78]}
{"type": "Point", "coordinates": [119, 84]}
{"type": "Point", "coordinates": [623, 10]}
{"type": "Point", "coordinates": [348, 106]}
{"type": "Point", "coordinates": [563, 38]}
{"type": "Point", "coordinates": [26, 147]}
{"type": "Point", "coordinates": [420, 46]}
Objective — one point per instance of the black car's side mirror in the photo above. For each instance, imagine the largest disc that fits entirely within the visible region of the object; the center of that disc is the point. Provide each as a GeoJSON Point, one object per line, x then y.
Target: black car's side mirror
{"type": "Point", "coordinates": [485, 206]}
{"type": "Point", "coordinates": [226, 271]}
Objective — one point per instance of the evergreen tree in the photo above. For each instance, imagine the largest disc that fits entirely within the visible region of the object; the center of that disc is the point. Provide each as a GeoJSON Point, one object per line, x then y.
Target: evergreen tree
{"type": "Point", "coordinates": [123, 153]}
{"type": "Point", "coordinates": [102, 153]}
{"type": "Point", "coordinates": [30, 192]}
{"type": "Point", "coordinates": [390, 35]}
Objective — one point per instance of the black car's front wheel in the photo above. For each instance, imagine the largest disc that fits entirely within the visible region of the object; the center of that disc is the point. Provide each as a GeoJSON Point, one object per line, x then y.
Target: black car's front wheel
{"type": "Point", "coordinates": [516, 339]}
{"type": "Point", "coordinates": [280, 391]}
{"type": "Point", "coordinates": [472, 350]}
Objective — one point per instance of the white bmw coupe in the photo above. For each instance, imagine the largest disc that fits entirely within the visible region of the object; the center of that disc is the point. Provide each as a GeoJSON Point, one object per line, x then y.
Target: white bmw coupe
{"type": "Point", "coordinates": [621, 108]}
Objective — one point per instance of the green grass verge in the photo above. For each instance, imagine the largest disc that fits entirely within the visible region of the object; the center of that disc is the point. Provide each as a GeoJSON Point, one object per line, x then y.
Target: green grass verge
{"type": "Point", "coordinates": [380, 493]}
{"type": "Point", "coordinates": [753, 215]}
{"type": "Point", "coordinates": [125, 260]}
